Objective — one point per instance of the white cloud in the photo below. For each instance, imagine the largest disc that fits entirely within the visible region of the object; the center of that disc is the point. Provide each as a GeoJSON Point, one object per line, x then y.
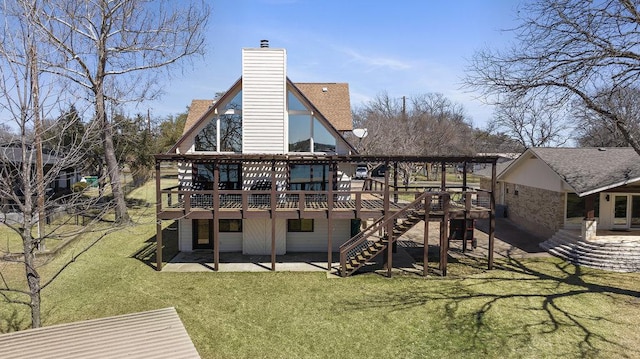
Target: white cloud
{"type": "Point", "coordinates": [376, 62]}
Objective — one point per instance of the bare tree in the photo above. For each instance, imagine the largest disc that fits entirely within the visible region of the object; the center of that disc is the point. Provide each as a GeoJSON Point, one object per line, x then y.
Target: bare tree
{"type": "Point", "coordinates": [567, 52]}
{"type": "Point", "coordinates": [530, 123]}
{"type": "Point", "coordinates": [113, 50]}
{"type": "Point", "coordinates": [428, 124]}
{"type": "Point", "coordinates": [594, 132]}
{"type": "Point", "coordinates": [26, 168]}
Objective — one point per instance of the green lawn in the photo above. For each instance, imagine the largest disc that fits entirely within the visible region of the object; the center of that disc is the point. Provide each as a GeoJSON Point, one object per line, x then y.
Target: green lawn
{"type": "Point", "coordinates": [536, 308]}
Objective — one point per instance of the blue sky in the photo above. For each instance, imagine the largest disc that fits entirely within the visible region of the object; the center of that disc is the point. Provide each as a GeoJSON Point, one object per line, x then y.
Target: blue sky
{"type": "Point", "coordinates": [402, 47]}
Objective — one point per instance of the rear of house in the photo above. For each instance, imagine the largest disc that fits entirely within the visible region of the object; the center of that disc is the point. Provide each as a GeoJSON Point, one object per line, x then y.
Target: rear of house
{"type": "Point", "coordinates": [265, 113]}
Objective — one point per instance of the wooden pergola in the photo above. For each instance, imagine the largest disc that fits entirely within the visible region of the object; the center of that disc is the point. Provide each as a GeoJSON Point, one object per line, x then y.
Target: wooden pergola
{"type": "Point", "coordinates": [378, 199]}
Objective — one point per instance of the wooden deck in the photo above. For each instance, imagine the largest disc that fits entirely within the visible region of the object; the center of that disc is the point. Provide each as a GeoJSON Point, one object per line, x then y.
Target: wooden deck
{"type": "Point", "coordinates": [303, 205]}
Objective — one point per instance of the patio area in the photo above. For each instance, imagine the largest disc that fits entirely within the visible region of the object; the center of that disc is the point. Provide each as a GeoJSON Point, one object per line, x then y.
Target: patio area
{"type": "Point", "coordinates": [510, 241]}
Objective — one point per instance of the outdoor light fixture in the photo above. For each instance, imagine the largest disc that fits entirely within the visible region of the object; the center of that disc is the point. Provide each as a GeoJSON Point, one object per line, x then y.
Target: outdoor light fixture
{"type": "Point", "coordinates": [607, 198]}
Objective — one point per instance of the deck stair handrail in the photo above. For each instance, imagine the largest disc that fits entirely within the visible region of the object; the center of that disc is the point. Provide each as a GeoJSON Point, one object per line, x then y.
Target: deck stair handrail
{"type": "Point", "coordinates": [372, 241]}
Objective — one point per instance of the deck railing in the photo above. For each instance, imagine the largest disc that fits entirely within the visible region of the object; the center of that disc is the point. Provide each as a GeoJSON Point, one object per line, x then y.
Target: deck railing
{"type": "Point", "coordinates": [361, 241]}
{"type": "Point", "coordinates": [176, 198]}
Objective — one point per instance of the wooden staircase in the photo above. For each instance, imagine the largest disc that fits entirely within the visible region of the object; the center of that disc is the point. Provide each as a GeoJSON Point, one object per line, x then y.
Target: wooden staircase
{"type": "Point", "coordinates": [366, 245]}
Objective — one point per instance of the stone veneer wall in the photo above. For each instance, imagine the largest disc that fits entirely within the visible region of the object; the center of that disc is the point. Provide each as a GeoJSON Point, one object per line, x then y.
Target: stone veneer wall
{"type": "Point", "coordinates": [537, 210]}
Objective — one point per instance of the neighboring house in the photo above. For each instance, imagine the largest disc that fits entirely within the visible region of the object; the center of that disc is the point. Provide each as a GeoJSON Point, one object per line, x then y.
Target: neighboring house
{"type": "Point", "coordinates": [10, 162]}
{"type": "Point", "coordinates": [265, 170]}
{"type": "Point", "coordinates": [548, 189]}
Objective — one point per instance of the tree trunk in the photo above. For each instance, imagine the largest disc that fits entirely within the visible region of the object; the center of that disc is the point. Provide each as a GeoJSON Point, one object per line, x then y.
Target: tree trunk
{"type": "Point", "coordinates": [33, 278]}
{"type": "Point", "coordinates": [113, 169]}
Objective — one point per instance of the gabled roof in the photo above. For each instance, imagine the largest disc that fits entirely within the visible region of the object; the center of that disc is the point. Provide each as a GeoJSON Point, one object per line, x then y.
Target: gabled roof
{"type": "Point", "coordinates": [335, 101]}
{"type": "Point", "coordinates": [332, 100]}
{"type": "Point", "coordinates": [196, 110]}
{"type": "Point", "coordinates": [152, 334]}
{"type": "Point", "coordinates": [587, 170]}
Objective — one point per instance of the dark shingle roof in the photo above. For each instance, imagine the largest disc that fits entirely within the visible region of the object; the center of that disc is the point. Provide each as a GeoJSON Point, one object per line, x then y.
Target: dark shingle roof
{"type": "Point", "coordinates": [13, 153]}
{"type": "Point", "coordinates": [590, 170]}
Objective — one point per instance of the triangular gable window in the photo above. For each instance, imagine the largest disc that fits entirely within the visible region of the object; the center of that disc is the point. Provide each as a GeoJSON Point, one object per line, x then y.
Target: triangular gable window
{"type": "Point", "coordinates": [224, 131]}
{"type": "Point", "coordinates": [306, 132]}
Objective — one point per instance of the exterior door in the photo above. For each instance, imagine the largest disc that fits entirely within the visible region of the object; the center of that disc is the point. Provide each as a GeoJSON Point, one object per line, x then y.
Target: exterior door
{"type": "Point", "coordinates": [635, 211]}
{"type": "Point", "coordinates": [621, 211]}
{"type": "Point", "coordinates": [202, 234]}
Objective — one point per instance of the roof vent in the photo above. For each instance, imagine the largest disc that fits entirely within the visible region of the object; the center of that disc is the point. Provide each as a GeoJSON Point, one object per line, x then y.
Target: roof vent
{"type": "Point", "coordinates": [602, 149]}
{"type": "Point", "coordinates": [264, 44]}
{"type": "Point", "coordinates": [325, 89]}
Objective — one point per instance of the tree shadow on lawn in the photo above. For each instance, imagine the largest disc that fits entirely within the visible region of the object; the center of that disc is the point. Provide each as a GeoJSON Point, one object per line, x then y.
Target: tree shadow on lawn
{"type": "Point", "coordinates": [147, 254]}
{"type": "Point", "coordinates": [468, 303]}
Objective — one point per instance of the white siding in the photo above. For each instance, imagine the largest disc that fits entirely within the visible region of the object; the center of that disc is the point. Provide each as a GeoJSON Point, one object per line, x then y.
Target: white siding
{"type": "Point", "coordinates": [263, 100]}
{"type": "Point", "coordinates": [316, 241]}
{"type": "Point", "coordinates": [229, 242]}
{"type": "Point", "coordinates": [535, 173]}
{"type": "Point", "coordinates": [257, 236]}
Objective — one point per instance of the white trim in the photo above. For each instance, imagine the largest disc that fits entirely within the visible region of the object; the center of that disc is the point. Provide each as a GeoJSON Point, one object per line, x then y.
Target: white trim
{"type": "Point", "coordinates": [610, 186]}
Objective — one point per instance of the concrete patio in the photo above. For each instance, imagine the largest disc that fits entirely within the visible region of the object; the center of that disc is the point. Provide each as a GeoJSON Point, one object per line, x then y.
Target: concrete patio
{"type": "Point", "coordinates": [510, 241]}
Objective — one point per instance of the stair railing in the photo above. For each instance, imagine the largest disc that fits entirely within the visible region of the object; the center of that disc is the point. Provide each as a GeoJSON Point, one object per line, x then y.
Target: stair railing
{"type": "Point", "coordinates": [358, 243]}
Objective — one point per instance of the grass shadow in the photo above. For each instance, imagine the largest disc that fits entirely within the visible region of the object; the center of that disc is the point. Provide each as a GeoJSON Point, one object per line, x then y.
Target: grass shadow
{"type": "Point", "coordinates": [545, 294]}
{"type": "Point", "coordinates": [147, 254]}
{"type": "Point", "coordinates": [13, 321]}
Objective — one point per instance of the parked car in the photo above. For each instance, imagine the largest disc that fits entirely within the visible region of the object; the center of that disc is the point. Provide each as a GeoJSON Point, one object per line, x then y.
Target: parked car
{"type": "Point", "coordinates": [361, 172]}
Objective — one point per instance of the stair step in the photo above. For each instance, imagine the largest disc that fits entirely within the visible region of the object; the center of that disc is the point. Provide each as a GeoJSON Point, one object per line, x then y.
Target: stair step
{"type": "Point", "coordinates": [611, 256]}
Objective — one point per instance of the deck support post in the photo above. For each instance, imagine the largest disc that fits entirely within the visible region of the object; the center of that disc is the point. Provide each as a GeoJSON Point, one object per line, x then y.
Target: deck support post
{"type": "Point", "coordinates": [395, 182]}
{"type": "Point", "coordinates": [443, 178]}
{"type": "Point", "coordinates": [492, 214]}
{"type": "Point", "coordinates": [273, 215]}
{"type": "Point", "coordinates": [387, 215]}
{"type": "Point", "coordinates": [216, 216]}
{"type": "Point", "coordinates": [158, 220]}
{"type": "Point", "coordinates": [425, 253]}
{"type": "Point", "coordinates": [330, 216]}
{"type": "Point", "coordinates": [444, 240]}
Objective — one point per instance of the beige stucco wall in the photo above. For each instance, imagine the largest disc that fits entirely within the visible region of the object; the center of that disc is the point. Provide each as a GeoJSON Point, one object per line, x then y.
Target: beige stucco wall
{"type": "Point", "coordinates": [537, 210]}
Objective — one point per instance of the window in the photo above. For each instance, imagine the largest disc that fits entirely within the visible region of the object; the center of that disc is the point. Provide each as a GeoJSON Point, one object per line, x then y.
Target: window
{"type": "Point", "coordinates": [323, 141]}
{"type": "Point", "coordinates": [207, 138]}
{"type": "Point", "coordinates": [223, 132]}
{"type": "Point", "coordinates": [230, 225]}
{"type": "Point", "coordinates": [230, 176]}
{"type": "Point", "coordinates": [306, 132]}
{"type": "Point", "coordinates": [576, 208]}
{"type": "Point", "coordinates": [309, 177]}
{"type": "Point", "coordinates": [300, 225]}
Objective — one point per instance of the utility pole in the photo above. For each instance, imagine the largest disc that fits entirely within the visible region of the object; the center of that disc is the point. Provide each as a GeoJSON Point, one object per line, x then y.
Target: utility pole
{"type": "Point", "coordinates": [404, 108]}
